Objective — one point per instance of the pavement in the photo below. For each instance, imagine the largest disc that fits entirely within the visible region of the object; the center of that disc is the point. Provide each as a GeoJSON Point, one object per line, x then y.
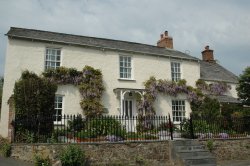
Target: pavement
{"type": "Point", "coordinates": [13, 162]}
{"type": "Point", "coordinates": [16, 162]}
{"type": "Point", "coordinates": [234, 163]}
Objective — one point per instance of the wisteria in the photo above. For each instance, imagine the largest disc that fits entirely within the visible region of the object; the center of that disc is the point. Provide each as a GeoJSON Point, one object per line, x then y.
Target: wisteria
{"type": "Point", "coordinates": [217, 88]}
{"type": "Point", "coordinates": [154, 87]}
{"type": "Point", "coordinates": [89, 82]}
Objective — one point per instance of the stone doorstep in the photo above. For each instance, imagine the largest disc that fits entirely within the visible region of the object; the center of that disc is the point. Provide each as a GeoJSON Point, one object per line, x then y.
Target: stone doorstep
{"type": "Point", "coordinates": [200, 161]}
{"type": "Point", "coordinates": [189, 148]}
{"type": "Point", "coordinates": [185, 142]}
{"type": "Point", "coordinates": [190, 154]}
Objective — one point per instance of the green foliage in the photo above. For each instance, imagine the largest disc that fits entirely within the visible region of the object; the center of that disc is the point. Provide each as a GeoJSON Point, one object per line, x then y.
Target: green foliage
{"type": "Point", "coordinates": [77, 124]}
{"type": "Point", "coordinates": [210, 108]}
{"type": "Point", "coordinates": [34, 101]}
{"type": "Point", "coordinates": [40, 161]}
{"type": "Point", "coordinates": [5, 148]}
{"type": "Point", "coordinates": [244, 86]}
{"type": "Point", "coordinates": [105, 126]}
{"type": "Point", "coordinates": [210, 145]}
{"type": "Point", "coordinates": [72, 155]}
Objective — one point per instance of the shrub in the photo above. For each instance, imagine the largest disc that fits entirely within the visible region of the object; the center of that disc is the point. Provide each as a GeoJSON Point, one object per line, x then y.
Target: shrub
{"type": "Point", "coordinates": [34, 103]}
{"type": "Point", "coordinates": [104, 126]}
{"type": "Point", "coordinates": [5, 149]}
{"type": "Point", "coordinates": [72, 155]}
{"type": "Point", "coordinates": [77, 124]}
{"type": "Point", "coordinates": [39, 161]}
{"type": "Point", "coordinates": [210, 145]}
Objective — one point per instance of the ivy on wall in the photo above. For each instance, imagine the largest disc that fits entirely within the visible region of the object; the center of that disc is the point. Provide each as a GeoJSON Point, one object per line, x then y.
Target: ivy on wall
{"type": "Point", "coordinates": [90, 84]}
{"type": "Point", "coordinates": [194, 95]}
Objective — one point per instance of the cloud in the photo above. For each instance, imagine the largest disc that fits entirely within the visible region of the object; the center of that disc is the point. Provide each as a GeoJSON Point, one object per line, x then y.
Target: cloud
{"type": "Point", "coordinates": [224, 24]}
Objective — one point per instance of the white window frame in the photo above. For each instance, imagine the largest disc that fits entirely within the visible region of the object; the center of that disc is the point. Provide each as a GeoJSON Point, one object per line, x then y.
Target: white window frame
{"type": "Point", "coordinates": [57, 107]}
{"type": "Point", "coordinates": [178, 110]}
{"type": "Point", "coordinates": [175, 71]}
{"type": "Point", "coordinates": [125, 74]}
{"type": "Point", "coordinates": [49, 60]}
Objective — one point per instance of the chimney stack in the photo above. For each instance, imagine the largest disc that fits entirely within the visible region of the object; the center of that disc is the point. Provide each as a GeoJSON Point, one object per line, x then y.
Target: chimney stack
{"type": "Point", "coordinates": [165, 41]}
{"type": "Point", "coordinates": [208, 55]}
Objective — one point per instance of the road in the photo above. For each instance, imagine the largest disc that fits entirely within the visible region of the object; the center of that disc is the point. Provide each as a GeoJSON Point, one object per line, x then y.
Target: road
{"type": "Point", "coordinates": [13, 162]}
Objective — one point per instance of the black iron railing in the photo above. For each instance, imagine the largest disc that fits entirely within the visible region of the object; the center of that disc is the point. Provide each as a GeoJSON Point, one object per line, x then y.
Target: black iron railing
{"type": "Point", "coordinates": [220, 127]}
{"type": "Point", "coordinates": [77, 129]}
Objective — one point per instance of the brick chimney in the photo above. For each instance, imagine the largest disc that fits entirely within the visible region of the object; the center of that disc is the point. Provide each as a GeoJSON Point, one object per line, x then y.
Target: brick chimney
{"type": "Point", "coordinates": [208, 55]}
{"type": "Point", "coordinates": [165, 41]}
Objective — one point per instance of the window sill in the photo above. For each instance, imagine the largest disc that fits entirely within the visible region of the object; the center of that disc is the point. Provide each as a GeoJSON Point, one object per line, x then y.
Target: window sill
{"type": "Point", "coordinates": [124, 79]}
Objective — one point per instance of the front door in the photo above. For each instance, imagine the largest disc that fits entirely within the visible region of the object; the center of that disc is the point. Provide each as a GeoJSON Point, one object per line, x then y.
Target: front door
{"type": "Point", "coordinates": [128, 108]}
{"type": "Point", "coordinates": [128, 114]}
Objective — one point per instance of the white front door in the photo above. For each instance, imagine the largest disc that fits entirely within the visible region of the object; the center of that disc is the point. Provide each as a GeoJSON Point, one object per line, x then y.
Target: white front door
{"type": "Point", "coordinates": [128, 108]}
{"type": "Point", "coordinates": [128, 113]}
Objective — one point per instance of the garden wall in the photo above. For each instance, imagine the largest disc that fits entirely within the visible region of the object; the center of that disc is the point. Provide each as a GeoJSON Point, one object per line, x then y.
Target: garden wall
{"type": "Point", "coordinates": [147, 153]}
{"type": "Point", "coordinates": [231, 149]}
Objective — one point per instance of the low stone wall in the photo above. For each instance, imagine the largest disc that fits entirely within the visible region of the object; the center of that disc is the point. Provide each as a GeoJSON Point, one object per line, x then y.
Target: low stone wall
{"type": "Point", "coordinates": [146, 153]}
{"type": "Point", "coordinates": [231, 149]}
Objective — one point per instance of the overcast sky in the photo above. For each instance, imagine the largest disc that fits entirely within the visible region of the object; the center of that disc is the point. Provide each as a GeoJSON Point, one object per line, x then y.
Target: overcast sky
{"type": "Point", "coordinates": [224, 25]}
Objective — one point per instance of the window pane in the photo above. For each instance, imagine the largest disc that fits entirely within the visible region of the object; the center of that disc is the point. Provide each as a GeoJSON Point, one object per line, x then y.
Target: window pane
{"type": "Point", "coordinates": [53, 57]}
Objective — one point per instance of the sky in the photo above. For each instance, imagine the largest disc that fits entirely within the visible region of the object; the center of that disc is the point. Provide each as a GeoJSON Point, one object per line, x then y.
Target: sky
{"type": "Point", "coordinates": [224, 25]}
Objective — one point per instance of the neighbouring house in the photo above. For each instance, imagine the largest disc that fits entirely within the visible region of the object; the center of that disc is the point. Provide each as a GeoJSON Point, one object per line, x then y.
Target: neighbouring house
{"type": "Point", "coordinates": [125, 67]}
{"type": "Point", "coordinates": [212, 72]}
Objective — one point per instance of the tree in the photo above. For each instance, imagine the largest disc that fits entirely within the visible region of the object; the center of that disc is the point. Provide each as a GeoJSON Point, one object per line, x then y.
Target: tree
{"type": "Point", "coordinates": [34, 102]}
{"type": "Point", "coordinates": [208, 108]}
{"type": "Point", "coordinates": [244, 87]}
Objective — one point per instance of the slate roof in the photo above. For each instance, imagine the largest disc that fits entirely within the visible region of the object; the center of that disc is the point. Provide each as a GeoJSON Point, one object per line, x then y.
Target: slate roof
{"type": "Point", "coordinates": [226, 99]}
{"type": "Point", "coordinates": [95, 42]}
{"type": "Point", "coordinates": [211, 71]}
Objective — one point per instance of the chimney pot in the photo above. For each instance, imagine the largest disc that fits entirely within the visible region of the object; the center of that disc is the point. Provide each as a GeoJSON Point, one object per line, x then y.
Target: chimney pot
{"type": "Point", "coordinates": [207, 48]}
{"type": "Point", "coordinates": [165, 41]}
{"type": "Point", "coordinates": [166, 33]}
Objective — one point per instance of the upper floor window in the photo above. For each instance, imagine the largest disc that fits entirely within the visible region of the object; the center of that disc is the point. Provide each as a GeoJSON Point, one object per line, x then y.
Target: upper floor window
{"type": "Point", "coordinates": [58, 107]}
{"type": "Point", "coordinates": [53, 58]}
{"type": "Point", "coordinates": [178, 110]}
{"type": "Point", "coordinates": [175, 71]}
{"type": "Point", "coordinates": [125, 67]}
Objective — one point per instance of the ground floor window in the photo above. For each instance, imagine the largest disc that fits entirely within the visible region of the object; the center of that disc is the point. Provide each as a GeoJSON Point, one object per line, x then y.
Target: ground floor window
{"type": "Point", "coordinates": [178, 110]}
{"type": "Point", "coordinates": [58, 108]}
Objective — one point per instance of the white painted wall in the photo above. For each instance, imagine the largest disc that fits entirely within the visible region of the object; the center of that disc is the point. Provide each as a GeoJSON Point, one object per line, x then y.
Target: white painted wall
{"type": "Point", "coordinates": [231, 92]}
{"type": "Point", "coordinates": [163, 104]}
{"type": "Point", "coordinates": [22, 55]}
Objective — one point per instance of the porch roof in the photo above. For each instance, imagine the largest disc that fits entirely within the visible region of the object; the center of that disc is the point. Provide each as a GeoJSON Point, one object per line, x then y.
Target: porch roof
{"type": "Point", "coordinates": [128, 89]}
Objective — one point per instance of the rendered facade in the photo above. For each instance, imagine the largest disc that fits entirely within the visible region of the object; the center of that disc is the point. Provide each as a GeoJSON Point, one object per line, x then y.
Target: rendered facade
{"type": "Point", "coordinates": [124, 65]}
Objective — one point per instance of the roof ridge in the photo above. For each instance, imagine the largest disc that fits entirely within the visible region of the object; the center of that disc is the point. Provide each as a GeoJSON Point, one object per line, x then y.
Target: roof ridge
{"type": "Point", "coordinates": [107, 39]}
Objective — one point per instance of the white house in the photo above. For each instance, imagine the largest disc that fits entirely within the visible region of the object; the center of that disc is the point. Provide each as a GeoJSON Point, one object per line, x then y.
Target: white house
{"type": "Point", "coordinates": [124, 65]}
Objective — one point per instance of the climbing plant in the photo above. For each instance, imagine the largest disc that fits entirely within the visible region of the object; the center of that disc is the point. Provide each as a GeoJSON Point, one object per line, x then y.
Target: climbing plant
{"type": "Point", "coordinates": [217, 88]}
{"type": "Point", "coordinates": [153, 87]}
{"type": "Point", "coordinates": [89, 82]}
{"type": "Point", "coordinates": [194, 95]}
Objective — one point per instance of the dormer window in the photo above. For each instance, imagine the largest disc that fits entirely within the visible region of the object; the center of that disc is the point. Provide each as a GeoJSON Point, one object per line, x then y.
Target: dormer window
{"type": "Point", "coordinates": [175, 71]}
{"type": "Point", "coordinates": [53, 58]}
